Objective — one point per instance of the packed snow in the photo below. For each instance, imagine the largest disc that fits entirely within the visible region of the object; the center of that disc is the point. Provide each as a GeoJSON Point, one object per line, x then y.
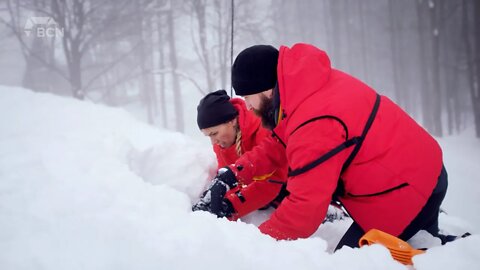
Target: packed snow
{"type": "Point", "coordinates": [85, 186]}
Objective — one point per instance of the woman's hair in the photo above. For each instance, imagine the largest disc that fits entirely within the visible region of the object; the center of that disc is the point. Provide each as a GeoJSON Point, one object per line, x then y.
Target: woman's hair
{"type": "Point", "coordinates": [238, 141]}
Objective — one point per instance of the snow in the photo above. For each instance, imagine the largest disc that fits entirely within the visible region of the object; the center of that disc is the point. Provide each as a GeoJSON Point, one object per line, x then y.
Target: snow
{"type": "Point", "coordinates": [461, 158]}
{"type": "Point", "coordinates": [84, 186]}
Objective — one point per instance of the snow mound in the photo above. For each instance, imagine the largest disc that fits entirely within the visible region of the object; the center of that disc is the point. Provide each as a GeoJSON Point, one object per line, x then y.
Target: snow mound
{"type": "Point", "coordinates": [84, 186]}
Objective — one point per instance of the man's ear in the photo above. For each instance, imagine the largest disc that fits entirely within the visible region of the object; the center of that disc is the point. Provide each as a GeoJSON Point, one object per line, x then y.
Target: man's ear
{"type": "Point", "coordinates": [269, 93]}
{"type": "Point", "coordinates": [234, 121]}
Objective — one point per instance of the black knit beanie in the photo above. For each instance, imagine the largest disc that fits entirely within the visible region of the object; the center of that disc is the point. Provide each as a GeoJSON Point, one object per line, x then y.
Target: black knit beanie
{"type": "Point", "coordinates": [255, 70]}
{"type": "Point", "coordinates": [215, 109]}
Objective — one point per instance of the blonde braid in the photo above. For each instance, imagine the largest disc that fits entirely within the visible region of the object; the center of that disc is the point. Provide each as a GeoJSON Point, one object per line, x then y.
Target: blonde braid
{"type": "Point", "coordinates": [238, 142]}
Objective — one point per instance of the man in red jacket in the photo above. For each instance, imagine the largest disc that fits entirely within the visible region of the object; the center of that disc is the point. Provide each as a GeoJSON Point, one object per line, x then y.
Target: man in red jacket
{"type": "Point", "coordinates": [340, 139]}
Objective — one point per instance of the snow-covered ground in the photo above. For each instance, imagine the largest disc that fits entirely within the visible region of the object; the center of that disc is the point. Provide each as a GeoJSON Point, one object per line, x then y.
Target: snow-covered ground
{"type": "Point", "coordinates": [84, 186]}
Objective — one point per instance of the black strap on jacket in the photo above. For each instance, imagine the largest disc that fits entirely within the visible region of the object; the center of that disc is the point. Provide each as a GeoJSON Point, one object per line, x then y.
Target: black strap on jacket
{"type": "Point", "coordinates": [357, 141]}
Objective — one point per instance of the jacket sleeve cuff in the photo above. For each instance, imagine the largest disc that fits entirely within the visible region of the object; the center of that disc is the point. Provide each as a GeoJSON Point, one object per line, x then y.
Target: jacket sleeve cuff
{"type": "Point", "coordinates": [267, 229]}
{"type": "Point", "coordinates": [242, 172]}
{"type": "Point", "coordinates": [236, 198]}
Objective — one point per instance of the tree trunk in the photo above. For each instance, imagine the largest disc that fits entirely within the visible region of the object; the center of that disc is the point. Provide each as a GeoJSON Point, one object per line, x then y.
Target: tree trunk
{"type": "Point", "coordinates": [73, 18]}
{"type": "Point", "coordinates": [436, 98]}
{"type": "Point", "coordinates": [473, 59]}
{"type": "Point", "coordinates": [453, 58]}
{"type": "Point", "coordinates": [326, 21]}
{"type": "Point", "coordinates": [335, 30]}
{"type": "Point", "coordinates": [199, 8]}
{"type": "Point", "coordinates": [476, 92]}
{"type": "Point", "coordinates": [476, 88]}
{"type": "Point", "coordinates": [350, 39]}
{"type": "Point", "coordinates": [150, 40]}
{"type": "Point", "coordinates": [145, 87]}
{"type": "Point", "coordinates": [75, 72]}
{"type": "Point", "coordinates": [424, 74]}
{"type": "Point", "coordinates": [363, 42]}
{"type": "Point", "coordinates": [36, 76]}
{"type": "Point", "coordinates": [177, 95]}
{"type": "Point", "coordinates": [222, 32]}
{"type": "Point", "coordinates": [394, 29]}
{"type": "Point", "coordinates": [161, 66]}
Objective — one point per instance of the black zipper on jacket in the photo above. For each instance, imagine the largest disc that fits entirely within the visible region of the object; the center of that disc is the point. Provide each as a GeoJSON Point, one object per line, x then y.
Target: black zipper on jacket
{"type": "Point", "coordinates": [278, 138]}
{"type": "Point", "coordinates": [379, 193]}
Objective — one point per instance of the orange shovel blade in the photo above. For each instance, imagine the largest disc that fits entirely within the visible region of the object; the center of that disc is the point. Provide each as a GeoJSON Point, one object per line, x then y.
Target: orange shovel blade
{"type": "Point", "coordinates": [399, 249]}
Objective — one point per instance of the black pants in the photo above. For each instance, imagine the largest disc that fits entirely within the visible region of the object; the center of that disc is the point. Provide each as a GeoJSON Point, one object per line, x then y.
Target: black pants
{"type": "Point", "coordinates": [427, 219]}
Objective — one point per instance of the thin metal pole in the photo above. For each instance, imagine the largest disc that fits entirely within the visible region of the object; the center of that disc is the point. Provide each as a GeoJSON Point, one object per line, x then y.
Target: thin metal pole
{"type": "Point", "coordinates": [231, 44]}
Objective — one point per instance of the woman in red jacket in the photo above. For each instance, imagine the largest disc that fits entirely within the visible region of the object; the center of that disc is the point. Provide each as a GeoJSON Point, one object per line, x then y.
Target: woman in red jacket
{"type": "Point", "coordinates": [233, 130]}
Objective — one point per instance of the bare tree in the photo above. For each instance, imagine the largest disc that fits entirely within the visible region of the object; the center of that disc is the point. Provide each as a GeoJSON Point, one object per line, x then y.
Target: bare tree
{"type": "Point", "coordinates": [473, 58]}
{"type": "Point", "coordinates": [422, 48]}
{"type": "Point", "coordinates": [424, 41]}
{"type": "Point", "coordinates": [161, 18]}
{"type": "Point", "coordinates": [177, 95]}
{"type": "Point", "coordinates": [395, 51]}
{"type": "Point", "coordinates": [436, 101]}
{"type": "Point", "coordinates": [199, 13]}
{"type": "Point", "coordinates": [364, 41]}
{"type": "Point", "coordinates": [83, 22]}
{"type": "Point", "coordinates": [144, 24]}
{"type": "Point", "coordinates": [452, 67]}
{"type": "Point", "coordinates": [222, 30]}
{"type": "Point", "coordinates": [476, 91]}
{"type": "Point", "coordinates": [335, 31]}
{"type": "Point", "coordinates": [211, 40]}
{"type": "Point", "coordinates": [37, 52]}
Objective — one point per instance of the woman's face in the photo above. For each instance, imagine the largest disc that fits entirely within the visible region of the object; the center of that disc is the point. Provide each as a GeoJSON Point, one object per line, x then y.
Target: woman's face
{"type": "Point", "coordinates": [224, 134]}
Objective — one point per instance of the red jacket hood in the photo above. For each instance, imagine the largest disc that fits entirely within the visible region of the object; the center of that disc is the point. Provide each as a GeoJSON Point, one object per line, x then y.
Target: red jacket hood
{"type": "Point", "coordinates": [251, 130]}
{"type": "Point", "coordinates": [248, 122]}
{"type": "Point", "coordinates": [301, 67]}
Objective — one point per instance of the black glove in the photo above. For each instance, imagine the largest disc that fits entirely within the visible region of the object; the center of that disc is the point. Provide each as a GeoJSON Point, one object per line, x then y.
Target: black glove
{"type": "Point", "coordinates": [212, 198]}
{"type": "Point", "coordinates": [225, 209]}
{"type": "Point", "coordinates": [203, 203]}
{"type": "Point", "coordinates": [227, 176]}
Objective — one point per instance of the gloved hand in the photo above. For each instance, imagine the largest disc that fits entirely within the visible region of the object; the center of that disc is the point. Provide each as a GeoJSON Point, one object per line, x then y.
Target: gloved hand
{"type": "Point", "coordinates": [227, 176]}
{"type": "Point", "coordinates": [225, 209]}
{"type": "Point", "coordinates": [203, 204]}
{"type": "Point", "coordinates": [212, 198]}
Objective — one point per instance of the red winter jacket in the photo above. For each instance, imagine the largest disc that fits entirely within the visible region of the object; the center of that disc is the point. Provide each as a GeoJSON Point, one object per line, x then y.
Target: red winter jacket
{"type": "Point", "coordinates": [253, 194]}
{"type": "Point", "coordinates": [388, 182]}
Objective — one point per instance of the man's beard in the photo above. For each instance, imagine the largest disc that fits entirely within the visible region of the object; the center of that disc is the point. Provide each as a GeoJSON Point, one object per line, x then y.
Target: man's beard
{"type": "Point", "coordinates": [266, 113]}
